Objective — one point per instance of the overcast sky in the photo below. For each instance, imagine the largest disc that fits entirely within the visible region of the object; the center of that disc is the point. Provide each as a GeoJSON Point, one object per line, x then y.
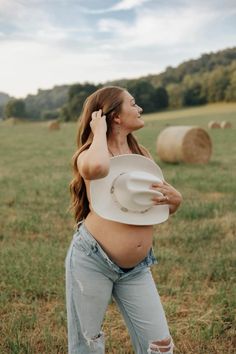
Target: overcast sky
{"type": "Point", "coordinates": [44, 43]}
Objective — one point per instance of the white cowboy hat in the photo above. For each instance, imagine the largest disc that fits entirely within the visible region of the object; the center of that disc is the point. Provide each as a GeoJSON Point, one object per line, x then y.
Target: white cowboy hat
{"type": "Point", "coordinates": [125, 196]}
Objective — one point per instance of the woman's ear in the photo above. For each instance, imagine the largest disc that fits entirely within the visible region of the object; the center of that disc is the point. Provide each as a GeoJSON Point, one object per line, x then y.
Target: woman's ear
{"type": "Point", "coordinates": [116, 119]}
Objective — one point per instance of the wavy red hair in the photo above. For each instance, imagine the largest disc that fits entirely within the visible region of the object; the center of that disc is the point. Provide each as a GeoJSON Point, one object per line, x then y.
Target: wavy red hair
{"type": "Point", "coordinates": [109, 99]}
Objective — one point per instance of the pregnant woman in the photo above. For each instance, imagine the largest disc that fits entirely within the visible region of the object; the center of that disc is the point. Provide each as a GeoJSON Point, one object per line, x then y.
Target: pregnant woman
{"type": "Point", "coordinates": [111, 251]}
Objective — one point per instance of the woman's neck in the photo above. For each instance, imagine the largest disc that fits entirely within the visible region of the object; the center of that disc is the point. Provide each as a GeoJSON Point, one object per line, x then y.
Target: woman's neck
{"type": "Point", "coordinates": [118, 145]}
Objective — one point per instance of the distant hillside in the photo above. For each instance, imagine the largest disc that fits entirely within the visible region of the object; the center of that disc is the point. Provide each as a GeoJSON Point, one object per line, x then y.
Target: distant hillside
{"type": "Point", "coordinates": [210, 78]}
{"type": "Point", "coordinates": [206, 63]}
{"type": "Point", "coordinates": [46, 100]}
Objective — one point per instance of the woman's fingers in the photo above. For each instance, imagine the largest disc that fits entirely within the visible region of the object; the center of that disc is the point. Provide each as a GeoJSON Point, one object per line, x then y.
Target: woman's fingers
{"type": "Point", "coordinates": [98, 120]}
{"type": "Point", "coordinates": [170, 195]}
{"type": "Point", "coordinates": [166, 183]}
{"type": "Point", "coordinates": [96, 114]}
{"type": "Point", "coordinates": [160, 200]}
{"type": "Point", "coordinates": [167, 190]}
{"type": "Point", "coordinates": [160, 188]}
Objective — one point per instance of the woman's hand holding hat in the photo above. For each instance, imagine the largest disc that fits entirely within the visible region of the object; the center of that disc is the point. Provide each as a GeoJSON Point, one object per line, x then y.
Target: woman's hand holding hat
{"type": "Point", "coordinates": [170, 195]}
{"type": "Point", "coordinates": [98, 121]}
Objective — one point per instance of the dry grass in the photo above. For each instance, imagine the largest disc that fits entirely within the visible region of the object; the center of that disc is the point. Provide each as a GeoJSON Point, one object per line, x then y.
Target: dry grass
{"type": "Point", "coordinates": [195, 249]}
{"type": "Point", "coordinates": [208, 111]}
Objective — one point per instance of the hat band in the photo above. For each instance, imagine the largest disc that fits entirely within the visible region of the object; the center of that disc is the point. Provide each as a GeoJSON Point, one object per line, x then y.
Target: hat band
{"type": "Point", "coordinates": [122, 208]}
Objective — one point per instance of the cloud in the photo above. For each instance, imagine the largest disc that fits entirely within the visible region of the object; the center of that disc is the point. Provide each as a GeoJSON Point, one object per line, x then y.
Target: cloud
{"type": "Point", "coordinates": [41, 65]}
{"type": "Point", "coordinates": [128, 4]}
{"type": "Point", "coordinates": [56, 42]}
{"type": "Point", "coordinates": [162, 27]}
{"type": "Point", "coordinates": [111, 25]}
{"type": "Point", "coordinates": [19, 20]}
{"type": "Point", "coordinates": [40, 20]}
{"type": "Point", "coordinates": [123, 5]}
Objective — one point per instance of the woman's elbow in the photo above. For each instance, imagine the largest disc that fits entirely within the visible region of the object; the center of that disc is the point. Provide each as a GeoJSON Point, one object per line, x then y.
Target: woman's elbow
{"type": "Point", "coordinates": [101, 171]}
{"type": "Point", "coordinates": [96, 171]}
{"type": "Point", "coordinates": [178, 200]}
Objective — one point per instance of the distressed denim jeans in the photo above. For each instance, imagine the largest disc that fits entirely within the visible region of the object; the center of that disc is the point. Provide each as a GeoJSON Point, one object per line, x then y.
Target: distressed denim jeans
{"type": "Point", "coordinates": [92, 279]}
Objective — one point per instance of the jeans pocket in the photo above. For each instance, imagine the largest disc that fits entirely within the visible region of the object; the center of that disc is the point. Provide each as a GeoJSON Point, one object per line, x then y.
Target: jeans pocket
{"type": "Point", "coordinates": [81, 245]}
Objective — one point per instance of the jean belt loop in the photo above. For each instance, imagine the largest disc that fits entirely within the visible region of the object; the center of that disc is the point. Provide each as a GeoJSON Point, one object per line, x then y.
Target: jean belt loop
{"type": "Point", "coordinates": [78, 224]}
{"type": "Point", "coordinates": [94, 246]}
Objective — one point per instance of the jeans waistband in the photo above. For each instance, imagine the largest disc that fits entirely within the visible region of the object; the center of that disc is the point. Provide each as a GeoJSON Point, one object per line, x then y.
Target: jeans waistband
{"type": "Point", "coordinates": [92, 246]}
{"type": "Point", "coordinates": [87, 236]}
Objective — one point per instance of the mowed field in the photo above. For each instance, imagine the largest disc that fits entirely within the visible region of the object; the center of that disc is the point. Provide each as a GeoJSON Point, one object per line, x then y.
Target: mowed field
{"type": "Point", "coordinates": [195, 248]}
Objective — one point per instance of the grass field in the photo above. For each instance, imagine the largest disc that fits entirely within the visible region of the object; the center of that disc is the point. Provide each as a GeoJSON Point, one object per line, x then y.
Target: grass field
{"type": "Point", "coordinates": [195, 248]}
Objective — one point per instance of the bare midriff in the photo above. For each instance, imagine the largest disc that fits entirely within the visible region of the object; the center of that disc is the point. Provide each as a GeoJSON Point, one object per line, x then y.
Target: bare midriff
{"type": "Point", "coordinates": [126, 245]}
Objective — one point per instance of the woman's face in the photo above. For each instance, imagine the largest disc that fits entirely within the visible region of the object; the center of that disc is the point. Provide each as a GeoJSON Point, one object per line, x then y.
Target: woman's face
{"type": "Point", "coordinates": [130, 115]}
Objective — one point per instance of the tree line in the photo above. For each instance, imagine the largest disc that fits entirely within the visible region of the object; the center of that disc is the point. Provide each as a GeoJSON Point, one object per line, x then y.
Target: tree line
{"type": "Point", "coordinates": [211, 78]}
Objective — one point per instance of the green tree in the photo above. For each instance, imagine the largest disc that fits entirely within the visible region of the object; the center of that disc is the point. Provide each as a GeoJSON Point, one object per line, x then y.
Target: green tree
{"type": "Point", "coordinates": [217, 84]}
{"type": "Point", "coordinates": [15, 108]}
{"type": "Point", "coordinates": [77, 95]}
{"type": "Point", "coordinates": [230, 93]}
{"type": "Point", "coordinates": [161, 98]}
{"type": "Point", "coordinates": [193, 95]}
{"type": "Point", "coordinates": [176, 95]}
{"type": "Point", "coordinates": [64, 114]}
{"type": "Point", "coordinates": [144, 94]}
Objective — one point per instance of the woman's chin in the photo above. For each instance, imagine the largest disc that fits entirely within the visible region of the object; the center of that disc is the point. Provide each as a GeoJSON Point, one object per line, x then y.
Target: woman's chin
{"type": "Point", "coordinates": [141, 123]}
{"type": "Point", "coordinates": [140, 126]}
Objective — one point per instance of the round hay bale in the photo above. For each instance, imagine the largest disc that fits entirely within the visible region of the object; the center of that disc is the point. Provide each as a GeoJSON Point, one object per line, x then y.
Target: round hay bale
{"type": "Point", "coordinates": [225, 125]}
{"type": "Point", "coordinates": [13, 121]}
{"type": "Point", "coordinates": [54, 125]}
{"type": "Point", "coordinates": [184, 144]}
{"type": "Point", "coordinates": [213, 125]}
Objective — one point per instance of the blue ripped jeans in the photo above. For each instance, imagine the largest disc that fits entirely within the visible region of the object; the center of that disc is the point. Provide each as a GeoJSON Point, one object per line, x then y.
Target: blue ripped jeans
{"type": "Point", "coordinates": [91, 280]}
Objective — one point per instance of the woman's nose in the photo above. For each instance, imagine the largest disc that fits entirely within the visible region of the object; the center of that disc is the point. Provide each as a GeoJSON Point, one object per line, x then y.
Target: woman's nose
{"type": "Point", "coordinates": [140, 109]}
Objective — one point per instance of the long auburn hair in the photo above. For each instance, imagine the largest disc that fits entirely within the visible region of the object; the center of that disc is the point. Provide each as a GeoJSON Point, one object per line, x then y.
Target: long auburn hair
{"type": "Point", "coordinates": [109, 99]}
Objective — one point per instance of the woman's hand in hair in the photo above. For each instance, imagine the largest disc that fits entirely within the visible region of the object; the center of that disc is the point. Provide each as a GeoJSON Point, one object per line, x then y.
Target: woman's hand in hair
{"type": "Point", "coordinates": [98, 121]}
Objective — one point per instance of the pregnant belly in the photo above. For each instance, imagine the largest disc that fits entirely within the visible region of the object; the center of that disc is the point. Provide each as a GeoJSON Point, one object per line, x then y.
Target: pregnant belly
{"type": "Point", "coordinates": [125, 245]}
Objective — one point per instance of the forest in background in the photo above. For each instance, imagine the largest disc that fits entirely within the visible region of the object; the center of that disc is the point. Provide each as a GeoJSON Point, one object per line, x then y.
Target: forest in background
{"type": "Point", "coordinates": [211, 78]}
